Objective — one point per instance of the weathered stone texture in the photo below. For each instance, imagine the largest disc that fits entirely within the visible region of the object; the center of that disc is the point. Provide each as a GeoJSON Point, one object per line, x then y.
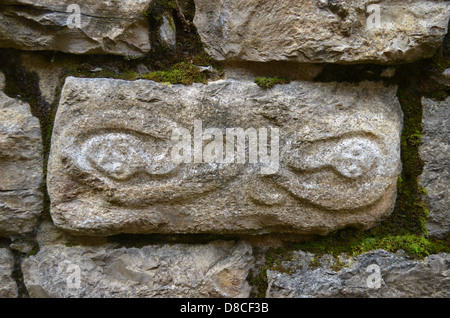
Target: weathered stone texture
{"type": "Point", "coordinates": [435, 152]}
{"type": "Point", "coordinates": [20, 167]}
{"type": "Point", "coordinates": [399, 276]}
{"type": "Point", "coordinates": [8, 287]}
{"type": "Point", "coordinates": [111, 167]}
{"type": "Point", "coordinates": [218, 269]}
{"type": "Point", "coordinates": [112, 27]}
{"type": "Point", "coordinates": [167, 32]}
{"type": "Point", "coordinates": [2, 81]}
{"type": "Point", "coordinates": [313, 31]}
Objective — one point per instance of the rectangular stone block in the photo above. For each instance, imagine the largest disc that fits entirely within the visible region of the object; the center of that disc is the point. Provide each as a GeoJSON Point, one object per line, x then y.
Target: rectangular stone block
{"type": "Point", "coordinates": [376, 274]}
{"type": "Point", "coordinates": [8, 287]}
{"type": "Point", "coordinates": [227, 157]}
{"type": "Point", "coordinates": [217, 269]}
{"type": "Point", "coordinates": [322, 31]}
{"type": "Point", "coordinates": [435, 153]}
{"type": "Point", "coordinates": [77, 27]}
{"type": "Point", "coordinates": [21, 176]}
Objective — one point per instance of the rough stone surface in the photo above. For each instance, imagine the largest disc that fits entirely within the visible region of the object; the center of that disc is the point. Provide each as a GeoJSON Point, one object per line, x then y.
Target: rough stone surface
{"type": "Point", "coordinates": [22, 243]}
{"type": "Point", "coordinates": [312, 31]}
{"type": "Point", "coordinates": [112, 27]}
{"type": "Point", "coordinates": [2, 81]}
{"type": "Point", "coordinates": [399, 277]}
{"type": "Point", "coordinates": [8, 287]}
{"type": "Point", "coordinates": [167, 32]}
{"type": "Point", "coordinates": [218, 269]}
{"type": "Point", "coordinates": [20, 167]}
{"type": "Point", "coordinates": [446, 73]}
{"type": "Point", "coordinates": [111, 167]}
{"type": "Point", "coordinates": [435, 152]}
{"type": "Point", "coordinates": [49, 74]}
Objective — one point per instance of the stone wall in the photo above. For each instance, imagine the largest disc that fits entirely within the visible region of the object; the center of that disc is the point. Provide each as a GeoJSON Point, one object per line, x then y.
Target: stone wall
{"type": "Point", "coordinates": [181, 148]}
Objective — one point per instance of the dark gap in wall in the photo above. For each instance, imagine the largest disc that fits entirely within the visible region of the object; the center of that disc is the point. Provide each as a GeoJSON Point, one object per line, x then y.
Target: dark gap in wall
{"type": "Point", "coordinates": [24, 85]}
{"type": "Point", "coordinates": [17, 274]}
{"type": "Point", "coordinates": [4, 242]}
{"type": "Point", "coordinates": [139, 240]}
{"type": "Point", "coordinates": [351, 73]}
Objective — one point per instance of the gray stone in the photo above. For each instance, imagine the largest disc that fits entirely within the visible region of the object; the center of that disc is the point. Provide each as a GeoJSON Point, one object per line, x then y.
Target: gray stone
{"type": "Point", "coordinates": [22, 243]}
{"type": "Point", "coordinates": [446, 73]}
{"type": "Point", "coordinates": [142, 69]}
{"type": "Point", "coordinates": [218, 269]}
{"type": "Point", "coordinates": [8, 287]}
{"type": "Point", "coordinates": [435, 153]}
{"type": "Point", "coordinates": [2, 81]}
{"type": "Point", "coordinates": [112, 27]}
{"type": "Point", "coordinates": [442, 78]}
{"type": "Point", "coordinates": [49, 234]}
{"type": "Point", "coordinates": [167, 32]}
{"type": "Point", "coordinates": [315, 31]}
{"type": "Point", "coordinates": [49, 74]}
{"type": "Point", "coordinates": [377, 274]}
{"type": "Point", "coordinates": [20, 167]}
{"type": "Point", "coordinates": [388, 72]}
{"type": "Point", "coordinates": [334, 157]}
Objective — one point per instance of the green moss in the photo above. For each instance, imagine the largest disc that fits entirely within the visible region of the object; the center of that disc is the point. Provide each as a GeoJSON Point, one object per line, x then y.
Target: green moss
{"type": "Point", "coordinates": [315, 263]}
{"type": "Point", "coordinates": [269, 82]}
{"type": "Point", "coordinates": [273, 261]}
{"type": "Point", "coordinates": [352, 243]}
{"type": "Point", "coordinates": [441, 63]}
{"type": "Point", "coordinates": [414, 81]}
{"type": "Point", "coordinates": [129, 75]}
{"type": "Point", "coordinates": [338, 264]}
{"type": "Point", "coordinates": [258, 281]}
{"type": "Point", "coordinates": [413, 245]}
{"type": "Point", "coordinates": [181, 73]}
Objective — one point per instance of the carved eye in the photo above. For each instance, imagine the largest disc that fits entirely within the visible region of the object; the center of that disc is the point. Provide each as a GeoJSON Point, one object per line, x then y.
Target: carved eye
{"type": "Point", "coordinates": [120, 155]}
{"type": "Point", "coordinates": [351, 157]}
{"type": "Point", "coordinates": [355, 156]}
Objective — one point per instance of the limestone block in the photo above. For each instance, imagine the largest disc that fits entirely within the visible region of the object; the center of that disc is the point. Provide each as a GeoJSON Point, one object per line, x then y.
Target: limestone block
{"type": "Point", "coordinates": [313, 31]}
{"type": "Point", "coordinates": [435, 153]}
{"type": "Point", "coordinates": [75, 26]}
{"type": "Point", "coordinates": [8, 287]}
{"type": "Point", "coordinates": [218, 269]}
{"type": "Point", "coordinates": [377, 274]}
{"type": "Point", "coordinates": [144, 157]}
{"type": "Point", "coordinates": [20, 167]}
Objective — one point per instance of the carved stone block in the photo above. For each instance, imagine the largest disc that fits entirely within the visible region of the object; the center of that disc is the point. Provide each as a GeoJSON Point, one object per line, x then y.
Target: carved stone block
{"type": "Point", "coordinates": [227, 157]}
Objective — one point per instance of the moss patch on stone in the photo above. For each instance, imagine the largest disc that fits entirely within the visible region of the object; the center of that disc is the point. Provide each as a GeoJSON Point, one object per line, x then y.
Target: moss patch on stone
{"type": "Point", "coordinates": [269, 82]}
{"type": "Point", "coordinates": [416, 246]}
{"type": "Point", "coordinates": [273, 260]}
{"type": "Point", "coordinates": [181, 73]}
